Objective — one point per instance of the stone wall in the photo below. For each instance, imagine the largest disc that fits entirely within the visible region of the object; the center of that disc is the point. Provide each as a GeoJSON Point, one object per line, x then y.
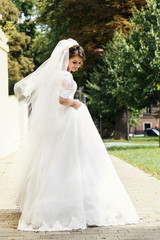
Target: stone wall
{"type": "Point", "coordinates": [12, 115]}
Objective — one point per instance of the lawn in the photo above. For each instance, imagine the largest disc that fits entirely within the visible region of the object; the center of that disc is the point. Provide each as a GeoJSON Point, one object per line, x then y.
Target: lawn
{"type": "Point", "coordinates": [146, 158]}
{"type": "Point", "coordinates": [137, 140]}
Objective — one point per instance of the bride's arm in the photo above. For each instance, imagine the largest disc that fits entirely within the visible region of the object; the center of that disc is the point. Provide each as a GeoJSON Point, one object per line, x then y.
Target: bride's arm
{"type": "Point", "coordinates": [75, 103]}
{"type": "Point", "coordinates": [64, 98]}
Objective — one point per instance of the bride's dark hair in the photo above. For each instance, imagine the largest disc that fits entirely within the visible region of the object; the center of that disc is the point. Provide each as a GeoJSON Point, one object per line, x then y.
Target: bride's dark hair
{"type": "Point", "coordinates": [76, 50]}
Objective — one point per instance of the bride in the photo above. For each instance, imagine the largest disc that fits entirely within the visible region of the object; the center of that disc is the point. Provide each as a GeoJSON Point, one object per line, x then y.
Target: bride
{"type": "Point", "coordinates": [67, 179]}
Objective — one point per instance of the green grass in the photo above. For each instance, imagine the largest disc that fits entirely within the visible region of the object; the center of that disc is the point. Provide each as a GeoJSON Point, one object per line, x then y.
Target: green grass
{"type": "Point", "coordinates": [137, 140]}
{"type": "Point", "coordinates": [146, 158]}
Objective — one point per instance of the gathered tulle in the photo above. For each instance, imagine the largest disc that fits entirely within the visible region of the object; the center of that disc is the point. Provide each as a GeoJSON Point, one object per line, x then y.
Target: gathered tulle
{"type": "Point", "coordinates": [73, 184]}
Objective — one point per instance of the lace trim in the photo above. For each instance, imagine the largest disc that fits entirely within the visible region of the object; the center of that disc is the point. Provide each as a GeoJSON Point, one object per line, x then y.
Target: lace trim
{"type": "Point", "coordinates": [75, 224]}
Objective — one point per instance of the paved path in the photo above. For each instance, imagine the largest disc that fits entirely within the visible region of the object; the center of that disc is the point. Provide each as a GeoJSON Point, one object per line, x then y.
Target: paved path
{"type": "Point", "coordinates": [143, 189]}
{"type": "Point", "coordinates": [110, 144]}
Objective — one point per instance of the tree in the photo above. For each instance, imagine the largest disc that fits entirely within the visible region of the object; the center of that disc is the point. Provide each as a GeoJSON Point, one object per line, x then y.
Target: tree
{"type": "Point", "coordinates": [26, 12]}
{"type": "Point", "coordinates": [91, 23]}
{"type": "Point", "coordinates": [20, 63]}
{"type": "Point", "coordinates": [130, 70]}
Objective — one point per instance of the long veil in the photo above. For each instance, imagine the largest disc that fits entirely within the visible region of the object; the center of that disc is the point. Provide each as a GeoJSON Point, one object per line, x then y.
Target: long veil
{"type": "Point", "coordinates": [40, 90]}
{"type": "Point", "coordinates": [37, 88]}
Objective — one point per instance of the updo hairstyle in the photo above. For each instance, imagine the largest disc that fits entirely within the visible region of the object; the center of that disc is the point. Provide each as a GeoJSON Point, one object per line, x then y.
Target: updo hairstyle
{"type": "Point", "coordinates": [76, 50]}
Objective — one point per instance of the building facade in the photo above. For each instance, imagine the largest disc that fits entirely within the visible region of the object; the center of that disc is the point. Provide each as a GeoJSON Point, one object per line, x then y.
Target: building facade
{"type": "Point", "coordinates": [148, 120]}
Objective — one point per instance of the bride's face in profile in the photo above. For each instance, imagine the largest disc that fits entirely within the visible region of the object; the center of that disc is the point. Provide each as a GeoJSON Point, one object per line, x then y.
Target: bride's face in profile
{"type": "Point", "coordinates": [74, 63]}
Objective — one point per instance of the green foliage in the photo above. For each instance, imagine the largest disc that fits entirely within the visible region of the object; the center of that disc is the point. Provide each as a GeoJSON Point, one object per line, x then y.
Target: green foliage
{"type": "Point", "coordinates": [8, 11]}
{"type": "Point", "coordinates": [40, 48]}
{"type": "Point", "coordinates": [91, 23]}
{"type": "Point", "coordinates": [26, 7]}
{"type": "Point", "coordinates": [128, 77]}
{"type": "Point", "coordinates": [144, 47]}
{"type": "Point", "coordinates": [135, 114]}
{"type": "Point", "coordinates": [100, 98]}
{"type": "Point", "coordinates": [26, 12]}
{"type": "Point", "coordinates": [20, 61]}
{"type": "Point", "coordinates": [11, 87]}
{"type": "Point", "coordinates": [43, 46]}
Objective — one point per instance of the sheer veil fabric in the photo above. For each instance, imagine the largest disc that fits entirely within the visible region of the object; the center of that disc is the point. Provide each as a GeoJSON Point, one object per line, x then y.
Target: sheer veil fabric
{"type": "Point", "coordinates": [40, 91]}
{"type": "Point", "coordinates": [67, 179]}
{"type": "Point", "coordinates": [37, 88]}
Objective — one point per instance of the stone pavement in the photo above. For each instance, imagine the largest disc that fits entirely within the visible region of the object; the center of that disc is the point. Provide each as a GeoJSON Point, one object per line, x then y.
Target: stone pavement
{"type": "Point", "coordinates": [144, 190]}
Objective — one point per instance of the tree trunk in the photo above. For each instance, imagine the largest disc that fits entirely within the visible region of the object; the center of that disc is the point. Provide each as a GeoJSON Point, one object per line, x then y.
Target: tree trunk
{"type": "Point", "coordinates": [122, 125]}
{"type": "Point", "coordinates": [101, 126]}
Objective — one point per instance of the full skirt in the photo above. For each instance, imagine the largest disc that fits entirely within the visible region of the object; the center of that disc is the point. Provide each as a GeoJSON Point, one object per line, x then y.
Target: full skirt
{"type": "Point", "coordinates": [68, 180]}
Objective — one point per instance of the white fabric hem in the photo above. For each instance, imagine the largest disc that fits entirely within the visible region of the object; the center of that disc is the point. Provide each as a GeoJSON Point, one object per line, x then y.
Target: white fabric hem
{"type": "Point", "coordinates": [74, 225]}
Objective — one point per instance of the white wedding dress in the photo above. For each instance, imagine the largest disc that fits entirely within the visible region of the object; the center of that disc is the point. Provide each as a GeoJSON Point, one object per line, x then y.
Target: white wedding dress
{"type": "Point", "coordinates": [71, 182]}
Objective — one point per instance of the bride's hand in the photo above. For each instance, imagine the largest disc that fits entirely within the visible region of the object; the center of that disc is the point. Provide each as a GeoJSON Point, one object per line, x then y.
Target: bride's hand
{"type": "Point", "coordinates": [76, 104]}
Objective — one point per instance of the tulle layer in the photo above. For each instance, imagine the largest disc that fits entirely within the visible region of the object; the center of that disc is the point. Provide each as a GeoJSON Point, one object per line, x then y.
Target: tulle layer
{"type": "Point", "coordinates": [69, 180]}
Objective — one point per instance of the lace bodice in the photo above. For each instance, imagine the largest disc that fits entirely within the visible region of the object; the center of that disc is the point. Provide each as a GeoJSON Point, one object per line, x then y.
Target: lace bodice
{"type": "Point", "coordinates": [69, 86]}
